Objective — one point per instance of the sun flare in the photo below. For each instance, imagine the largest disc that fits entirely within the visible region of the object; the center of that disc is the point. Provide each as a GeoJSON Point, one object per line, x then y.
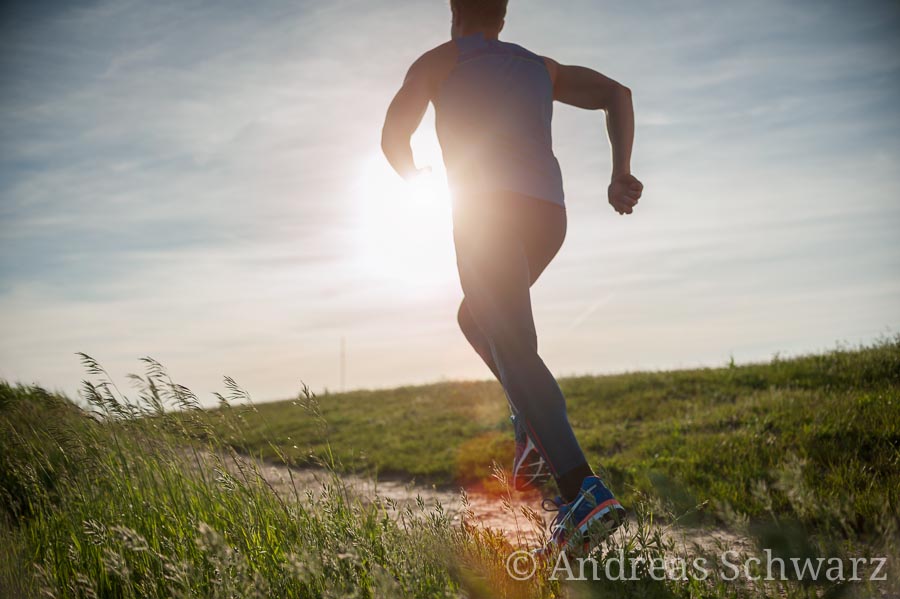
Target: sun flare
{"type": "Point", "coordinates": [404, 229]}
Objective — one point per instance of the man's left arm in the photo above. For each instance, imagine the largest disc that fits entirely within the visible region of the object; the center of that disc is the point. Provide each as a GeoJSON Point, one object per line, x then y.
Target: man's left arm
{"type": "Point", "coordinates": [403, 118]}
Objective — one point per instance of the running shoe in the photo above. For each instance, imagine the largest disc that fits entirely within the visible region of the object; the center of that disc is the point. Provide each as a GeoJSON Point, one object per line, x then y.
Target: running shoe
{"type": "Point", "coordinates": [595, 510]}
{"type": "Point", "coordinates": [529, 468]}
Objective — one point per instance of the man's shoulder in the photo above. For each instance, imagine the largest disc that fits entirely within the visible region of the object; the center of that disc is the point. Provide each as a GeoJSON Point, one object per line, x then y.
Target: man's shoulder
{"type": "Point", "coordinates": [438, 58]}
{"type": "Point", "coordinates": [433, 66]}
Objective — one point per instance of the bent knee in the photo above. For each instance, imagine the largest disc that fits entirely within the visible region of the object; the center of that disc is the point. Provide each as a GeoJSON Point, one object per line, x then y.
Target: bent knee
{"type": "Point", "coordinates": [464, 318]}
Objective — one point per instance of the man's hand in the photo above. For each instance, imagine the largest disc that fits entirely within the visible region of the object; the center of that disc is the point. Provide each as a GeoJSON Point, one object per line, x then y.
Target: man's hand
{"type": "Point", "coordinates": [416, 174]}
{"type": "Point", "coordinates": [403, 118]}
{"type": "Point", "coordinates": [624, 192]}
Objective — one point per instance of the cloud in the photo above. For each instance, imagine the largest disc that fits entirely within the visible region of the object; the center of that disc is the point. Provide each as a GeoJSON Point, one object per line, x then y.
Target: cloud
{"type": "Point", "coordinates": [183, 178]}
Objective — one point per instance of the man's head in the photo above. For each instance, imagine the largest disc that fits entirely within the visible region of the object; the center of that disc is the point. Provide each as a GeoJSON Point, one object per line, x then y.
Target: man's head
{"type": "Point", "coordinates": [470, 16]}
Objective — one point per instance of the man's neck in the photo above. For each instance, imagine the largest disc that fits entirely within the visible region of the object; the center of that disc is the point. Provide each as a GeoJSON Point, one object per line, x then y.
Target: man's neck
{"type": "Point", "coordinates": [489, 34]}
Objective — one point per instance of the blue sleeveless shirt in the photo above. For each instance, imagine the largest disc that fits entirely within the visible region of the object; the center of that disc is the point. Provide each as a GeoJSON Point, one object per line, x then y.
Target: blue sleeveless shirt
{"type": "Point", "coordinates": [492, 116]}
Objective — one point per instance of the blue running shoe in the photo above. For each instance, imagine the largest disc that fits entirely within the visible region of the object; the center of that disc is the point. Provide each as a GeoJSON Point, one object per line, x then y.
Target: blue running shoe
{"type": "Point", "coordinates": [529, 468]}
{"type": "Point", "coordinates": [595, 505]}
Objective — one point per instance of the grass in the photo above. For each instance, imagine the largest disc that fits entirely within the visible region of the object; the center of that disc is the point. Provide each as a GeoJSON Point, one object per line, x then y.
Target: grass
{"type": "Point", "coordinates": [153, 497]}
{"type": "Point", "coordinates": [739, 435]}
{"type": "Point", "coordinates": [125, 506]}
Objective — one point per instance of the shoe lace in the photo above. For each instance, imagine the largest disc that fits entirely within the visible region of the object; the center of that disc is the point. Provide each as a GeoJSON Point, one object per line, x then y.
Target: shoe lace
{"type": "Point", "coordinates": [552, 505]}
{"type": "Point", "coordinates": [558, 505]}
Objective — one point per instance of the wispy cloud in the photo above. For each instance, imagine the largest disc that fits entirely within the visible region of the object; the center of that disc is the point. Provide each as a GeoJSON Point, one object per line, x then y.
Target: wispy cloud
{"type": "Point", "coordinates": [184, 179]}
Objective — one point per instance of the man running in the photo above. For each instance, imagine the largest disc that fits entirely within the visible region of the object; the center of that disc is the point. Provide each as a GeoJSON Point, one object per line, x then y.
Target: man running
{"type": "Point", "coordinates": [493, 105]}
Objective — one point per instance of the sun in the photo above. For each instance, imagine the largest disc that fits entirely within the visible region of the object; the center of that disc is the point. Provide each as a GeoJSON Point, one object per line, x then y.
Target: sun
{"type": "Point", "coordinates": [403, 230]}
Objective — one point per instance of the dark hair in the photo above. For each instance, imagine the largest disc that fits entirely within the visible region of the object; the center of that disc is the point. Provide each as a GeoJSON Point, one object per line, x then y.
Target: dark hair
{"type": "Point", "coordinates": [480, 13]}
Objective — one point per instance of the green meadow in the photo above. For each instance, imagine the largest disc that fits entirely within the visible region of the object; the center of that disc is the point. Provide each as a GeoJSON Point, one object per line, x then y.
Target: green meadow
{"type": "Point", "coordinates": [146, 494]}
{"type": "Point", "coordinates": [748, 436]}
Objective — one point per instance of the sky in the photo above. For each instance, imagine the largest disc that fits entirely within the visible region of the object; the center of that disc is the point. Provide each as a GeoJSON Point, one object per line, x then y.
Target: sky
{"type": "Point", "coordinates": [201, 182]}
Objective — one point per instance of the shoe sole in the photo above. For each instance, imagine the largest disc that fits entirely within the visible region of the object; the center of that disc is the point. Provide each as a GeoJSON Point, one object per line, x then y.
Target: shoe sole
{"type": "Point", "coordinates": [535, 480]}
{"type": "Point", "coordinates": [610, 511]}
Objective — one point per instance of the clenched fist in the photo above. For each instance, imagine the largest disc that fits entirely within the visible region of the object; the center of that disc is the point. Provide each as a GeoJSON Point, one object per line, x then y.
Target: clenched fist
{"type": "Point", "coordinates": [624, 192]}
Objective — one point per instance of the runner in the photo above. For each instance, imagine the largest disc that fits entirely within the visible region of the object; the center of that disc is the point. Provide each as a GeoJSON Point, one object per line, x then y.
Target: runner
{"type": "Point", "coordinates": [493, 108]}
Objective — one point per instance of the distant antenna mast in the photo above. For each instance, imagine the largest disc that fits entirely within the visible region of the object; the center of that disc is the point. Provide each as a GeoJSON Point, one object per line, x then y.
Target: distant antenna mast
{"type": "Point", "coordinates": [343, 362]}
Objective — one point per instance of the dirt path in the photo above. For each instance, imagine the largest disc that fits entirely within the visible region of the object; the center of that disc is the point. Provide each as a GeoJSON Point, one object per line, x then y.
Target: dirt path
{"type": "Point", "coordinates": [485, 508]}
{"type": "Point", "coordinates": [501, 513]}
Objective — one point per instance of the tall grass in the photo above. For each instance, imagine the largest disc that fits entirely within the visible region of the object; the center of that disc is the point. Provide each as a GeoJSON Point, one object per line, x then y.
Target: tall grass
{"type": "Point", "coordinates": [145, 498]}
{"type": "Point", "coordinates": [757, 437]}
{"type": "Point", "coordinates": [129, 500]}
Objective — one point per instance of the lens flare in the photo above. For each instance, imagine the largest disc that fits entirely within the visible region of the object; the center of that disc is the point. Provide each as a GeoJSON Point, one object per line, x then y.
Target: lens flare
{"type": "Point", "coordinates": [403, 228]}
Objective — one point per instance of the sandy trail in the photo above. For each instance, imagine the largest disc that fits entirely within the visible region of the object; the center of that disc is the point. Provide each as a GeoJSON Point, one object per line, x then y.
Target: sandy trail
{"type": "Point", "coordinates": [479, 506]}
{"type": "Point", "coordinates": [498, 512]}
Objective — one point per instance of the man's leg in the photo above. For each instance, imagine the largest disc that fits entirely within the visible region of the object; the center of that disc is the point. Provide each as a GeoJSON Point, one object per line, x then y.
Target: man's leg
{"type": "Point", "coordinates": [482, 346]}
{"type": "Point", "coordinates": [539, 251]}
{"type": "Point", "coordinates": [493, 267]}
{"type": "Point", "coordinates": [476, 337]}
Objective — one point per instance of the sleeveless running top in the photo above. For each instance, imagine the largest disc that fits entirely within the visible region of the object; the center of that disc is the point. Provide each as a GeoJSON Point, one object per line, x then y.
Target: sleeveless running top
{"type": "Point", "coordinates": [492, 116]}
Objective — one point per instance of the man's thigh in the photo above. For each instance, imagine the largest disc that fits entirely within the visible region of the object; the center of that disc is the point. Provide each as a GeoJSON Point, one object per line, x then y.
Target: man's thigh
{"type": "Point", "coordinates": [495, 277]}
{"type": "Point", "coordinates": [542, 227]}
{"type": "Point", "coordinates": [537, 225]}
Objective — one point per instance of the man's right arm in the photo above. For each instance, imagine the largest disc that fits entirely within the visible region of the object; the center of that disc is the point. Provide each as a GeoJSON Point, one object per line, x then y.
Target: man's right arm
{"type": "Point", "coordinates": [585, 88]}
